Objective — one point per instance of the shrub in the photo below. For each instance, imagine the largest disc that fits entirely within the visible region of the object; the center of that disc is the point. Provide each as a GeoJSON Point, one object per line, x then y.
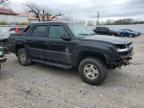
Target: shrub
{"type": "Point", "coordinates": [3, 23]}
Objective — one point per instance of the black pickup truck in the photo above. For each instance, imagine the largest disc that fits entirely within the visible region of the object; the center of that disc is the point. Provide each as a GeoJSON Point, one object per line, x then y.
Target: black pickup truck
{"type": "Point", "coordinates": [71, 45]}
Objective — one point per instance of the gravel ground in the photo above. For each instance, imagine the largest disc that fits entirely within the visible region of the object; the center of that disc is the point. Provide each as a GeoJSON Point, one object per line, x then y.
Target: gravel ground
{"type": "Point", "coordinates": [41, 86]}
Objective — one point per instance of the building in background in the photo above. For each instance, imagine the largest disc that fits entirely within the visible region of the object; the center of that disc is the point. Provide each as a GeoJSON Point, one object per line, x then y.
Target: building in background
{"type": "Point", "coordinates": [10, 17]}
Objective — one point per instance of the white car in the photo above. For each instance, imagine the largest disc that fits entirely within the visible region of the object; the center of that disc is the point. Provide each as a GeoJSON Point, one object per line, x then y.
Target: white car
{"type": "Point", "coordinates": [5, 33]}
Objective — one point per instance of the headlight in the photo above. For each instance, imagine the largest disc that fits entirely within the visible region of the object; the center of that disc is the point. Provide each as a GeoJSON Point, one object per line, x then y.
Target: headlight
{"type": "Point", "coordinates": [120, 46]}
{"type": "Point", "coordinates": [1, 53]}
{"type": "Point", "coordinates": [123, 47]}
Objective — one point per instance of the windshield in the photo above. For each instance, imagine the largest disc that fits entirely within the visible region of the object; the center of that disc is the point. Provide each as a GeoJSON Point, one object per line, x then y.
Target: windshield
{"type": "Point", "coordinates": [80, 30]}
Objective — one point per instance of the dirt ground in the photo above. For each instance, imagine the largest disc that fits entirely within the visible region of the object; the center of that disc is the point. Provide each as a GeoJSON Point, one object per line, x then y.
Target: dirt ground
{"type": "Point", "coordinates": [41, 86]}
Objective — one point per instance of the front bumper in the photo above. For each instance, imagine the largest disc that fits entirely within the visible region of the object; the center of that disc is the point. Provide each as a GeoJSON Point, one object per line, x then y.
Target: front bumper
{"type": "Point", "coordinates": [122, 59]}
{"type": "Point", "coordinates": [125, 59]}
{"type": "Point", "coordinates": [3, 60]}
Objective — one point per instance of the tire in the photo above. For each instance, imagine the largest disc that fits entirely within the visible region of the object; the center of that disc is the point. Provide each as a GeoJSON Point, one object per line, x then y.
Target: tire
{"type": "Point", "coordinates": [23, 57]}
{"type": "Point", "coordinates": [121, 34]}
{"type": "Point", "coordinates": [98, 76]}
{"type": "Point", "coordinates": [130, 35]}
{"type": "Point", "coordinates": [113, 34]}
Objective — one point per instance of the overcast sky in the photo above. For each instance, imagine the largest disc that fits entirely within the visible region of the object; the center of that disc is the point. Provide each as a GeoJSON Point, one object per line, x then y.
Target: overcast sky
{"type": "Point", "coordinates": [88, 8]}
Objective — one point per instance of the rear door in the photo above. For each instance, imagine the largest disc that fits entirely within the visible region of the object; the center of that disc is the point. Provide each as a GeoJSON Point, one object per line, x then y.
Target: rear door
{"type": "Point", "coordinates": [37, 42]}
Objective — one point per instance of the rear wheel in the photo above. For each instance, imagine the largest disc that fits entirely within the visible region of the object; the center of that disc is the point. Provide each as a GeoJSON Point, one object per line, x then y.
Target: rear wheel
{"type": "Point", "coordinates": [92, 71]}
{"type": "Point", "coordinates": [121, 34]}
{"type": "Point", "coordinates": [23, 57]}
{"type": "Point", "coordinates": [130, 35]}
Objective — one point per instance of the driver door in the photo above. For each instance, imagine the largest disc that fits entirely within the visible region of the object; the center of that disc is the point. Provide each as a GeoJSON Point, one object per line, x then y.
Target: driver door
{"type": "Point", "coordinates": [57, 48]}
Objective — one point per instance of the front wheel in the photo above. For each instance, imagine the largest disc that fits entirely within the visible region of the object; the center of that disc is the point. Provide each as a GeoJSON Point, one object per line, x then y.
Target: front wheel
{"type": "Point", "coordinates": [113, 35]}
{"type": "Point", "coordinates": [23, 57]}
{"type": "Point", "coordinates": [92, 71]}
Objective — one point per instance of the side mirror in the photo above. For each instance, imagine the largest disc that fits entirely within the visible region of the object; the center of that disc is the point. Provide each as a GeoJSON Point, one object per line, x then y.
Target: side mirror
{"type": "Point", "coordinates": [66, 37]}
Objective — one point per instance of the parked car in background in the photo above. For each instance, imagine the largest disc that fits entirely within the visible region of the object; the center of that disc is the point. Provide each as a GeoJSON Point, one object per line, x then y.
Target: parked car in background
{"type": "Point", "coordinates": [106, 31]}
{"type": "Point", "coordinates": [71, 45]}
{"type": "Point", "coordinates": [129, 32]}
{"type": "Point", "coordinates": [5, 33]}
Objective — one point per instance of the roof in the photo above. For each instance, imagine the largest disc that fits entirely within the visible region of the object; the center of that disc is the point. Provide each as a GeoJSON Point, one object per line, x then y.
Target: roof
{"type": "Point", "coordinates": [7, 12]}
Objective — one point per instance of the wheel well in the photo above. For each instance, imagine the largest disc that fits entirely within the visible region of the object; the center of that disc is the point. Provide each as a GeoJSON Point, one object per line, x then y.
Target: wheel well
{"type": "Point", "coordinates": [96, 55]}
{"type": "Point", "coordinates": [18, 47]}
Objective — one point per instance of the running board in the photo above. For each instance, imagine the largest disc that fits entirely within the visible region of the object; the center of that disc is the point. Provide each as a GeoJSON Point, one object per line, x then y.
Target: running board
{"type": "Point", "coordinates": [52, 64]}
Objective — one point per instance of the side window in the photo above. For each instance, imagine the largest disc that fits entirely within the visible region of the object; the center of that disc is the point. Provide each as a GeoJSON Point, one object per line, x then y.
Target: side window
{"type": "Point", "coordinates": [39, 31]}
{"type": "Point", "coordinates": [56, 31]}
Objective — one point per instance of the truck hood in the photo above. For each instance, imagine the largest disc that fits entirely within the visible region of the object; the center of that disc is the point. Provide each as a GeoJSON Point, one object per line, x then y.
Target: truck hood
{"type": "Point", "coordinates": [107, 39]}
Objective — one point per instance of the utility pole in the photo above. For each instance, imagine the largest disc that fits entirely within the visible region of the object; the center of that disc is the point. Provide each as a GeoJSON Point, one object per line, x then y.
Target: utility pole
{"type": "Point", "coordinates": [98, 17]}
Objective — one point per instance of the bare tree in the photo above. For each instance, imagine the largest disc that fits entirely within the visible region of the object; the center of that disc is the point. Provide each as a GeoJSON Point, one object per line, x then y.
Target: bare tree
{"type": "Point", "coordinates": [42, 14]}
{"type": "Point", "coordinates": [2, 1]}
{"type": "Point", "coordinates": [32, 8]}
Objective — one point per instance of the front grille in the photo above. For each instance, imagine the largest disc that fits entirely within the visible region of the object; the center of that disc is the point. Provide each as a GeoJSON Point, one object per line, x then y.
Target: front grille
{"type": "Point", "coordinates": [3, 43]}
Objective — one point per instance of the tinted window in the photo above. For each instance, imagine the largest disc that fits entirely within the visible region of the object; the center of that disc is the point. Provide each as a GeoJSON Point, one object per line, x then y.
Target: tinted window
{"type": "Point", "coordinates": [56, 31]}
{"type": "Point", "coordinates": [102, 29]}
{"type": "Point", "coordinates": [39, 31]}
